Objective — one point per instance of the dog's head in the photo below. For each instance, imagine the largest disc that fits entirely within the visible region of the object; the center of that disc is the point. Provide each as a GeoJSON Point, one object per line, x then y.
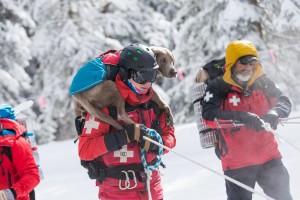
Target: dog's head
{"type": "Point", "coordinates": [165, 61]}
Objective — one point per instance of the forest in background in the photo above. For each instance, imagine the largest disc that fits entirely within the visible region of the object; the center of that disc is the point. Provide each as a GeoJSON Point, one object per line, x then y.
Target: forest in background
{"type": "Point", "coordinates": [45, 42]}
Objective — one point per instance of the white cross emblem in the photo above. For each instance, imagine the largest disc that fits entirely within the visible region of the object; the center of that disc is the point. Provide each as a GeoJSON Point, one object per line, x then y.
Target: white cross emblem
{"type": "Point", "coordinates": [90, 124]}
{"type": "Point", "coordinates": [123, 154]}
{"type": "Point", "coordinates": [234, 100]}
{"type": "Point", "coordinates": [207, 96]}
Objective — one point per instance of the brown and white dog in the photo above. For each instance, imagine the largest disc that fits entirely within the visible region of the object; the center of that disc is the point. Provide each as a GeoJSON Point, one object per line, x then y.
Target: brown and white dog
{"type": "Point", "coordinates": [107, 94]}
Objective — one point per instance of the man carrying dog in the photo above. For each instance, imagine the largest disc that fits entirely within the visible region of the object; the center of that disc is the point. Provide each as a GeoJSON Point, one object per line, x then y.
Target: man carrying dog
{"type": "Point", "coordinates": [249, 153]}
{"type": "Point", "coordinates": [113, 157]}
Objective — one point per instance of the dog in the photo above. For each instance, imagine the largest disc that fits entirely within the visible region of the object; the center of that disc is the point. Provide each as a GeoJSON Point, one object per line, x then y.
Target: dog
{"type": "Point", "coordinates": [107, 94]}
{"type": "Point", "coordinates": [211, 70]}
{"type": "Point", "coordinates": [202, 76]}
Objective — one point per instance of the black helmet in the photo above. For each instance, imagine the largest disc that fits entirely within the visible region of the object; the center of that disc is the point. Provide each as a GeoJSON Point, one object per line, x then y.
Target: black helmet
{"type": "Point", "coordinates": [136, 57]}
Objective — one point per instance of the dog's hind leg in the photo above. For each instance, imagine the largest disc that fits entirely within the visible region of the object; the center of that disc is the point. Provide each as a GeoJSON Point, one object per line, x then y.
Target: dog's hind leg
{"type": "Point", "coordinates": [122, 115]}
{"type": "Point", "coordinates": [95, 111]}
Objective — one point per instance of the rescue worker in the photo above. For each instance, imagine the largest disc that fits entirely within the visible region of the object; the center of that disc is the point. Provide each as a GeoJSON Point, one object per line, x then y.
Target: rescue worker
{"type": "Point", "coordinates": [113, 157]}
{"type": "Point", "coordinates": [19, 172]}
{"type": "Point", "coordinates": [249, 153]}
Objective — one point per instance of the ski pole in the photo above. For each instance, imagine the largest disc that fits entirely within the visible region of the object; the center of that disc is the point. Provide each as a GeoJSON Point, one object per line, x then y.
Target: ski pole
{"type": "Point", "coordinates": [268, 128]}
{"type": "Point", "coordinates": [227, 123]}
{"type": "Point", "coordinates": [246, 187]}
{"type": "Point", "coordinates": [223, 123]}
{"type": "Point", "coordinates": [232, 124]}
{"type": "Point", "coordinates": [289, 118]}
{"type": "Point", "coordinates": [284, 122]}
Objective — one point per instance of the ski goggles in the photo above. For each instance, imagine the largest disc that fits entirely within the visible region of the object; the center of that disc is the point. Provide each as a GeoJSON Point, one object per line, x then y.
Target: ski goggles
{"type": "Point", "coordinates": [144, 76]}
{"type": "Point", "coordinates": [248, 60]}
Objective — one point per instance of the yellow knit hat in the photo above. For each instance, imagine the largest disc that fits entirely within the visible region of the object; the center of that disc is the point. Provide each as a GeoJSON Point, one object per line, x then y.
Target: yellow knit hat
{"type": "Point", "coordinates": [237, 49]}
{"type": "Point", "coordinates": [234, 51]}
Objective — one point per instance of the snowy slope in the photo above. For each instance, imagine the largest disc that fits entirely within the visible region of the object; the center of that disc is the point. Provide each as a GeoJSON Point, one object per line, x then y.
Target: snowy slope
{"type": "Point", "coordinates": [66, 179]}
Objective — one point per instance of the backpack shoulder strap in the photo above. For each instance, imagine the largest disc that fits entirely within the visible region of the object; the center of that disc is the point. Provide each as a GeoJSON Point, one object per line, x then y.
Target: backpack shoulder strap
{"type": "Point", "coordinates": [215, 68]}
{"type": "Point", "coordinates": [7, 151]}
{"type": "Point", "coordinates": [112, 110]}
{"type": "Point", "coordinates": [111, 60]}
{"type": "Point", "coordinates": [111, 72]}
{"type": "Point", "coordinates": [157, 110]}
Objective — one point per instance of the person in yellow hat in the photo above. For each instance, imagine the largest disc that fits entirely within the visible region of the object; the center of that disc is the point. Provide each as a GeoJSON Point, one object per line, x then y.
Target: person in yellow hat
{"type": "Point", "coordinates": [249, 153]}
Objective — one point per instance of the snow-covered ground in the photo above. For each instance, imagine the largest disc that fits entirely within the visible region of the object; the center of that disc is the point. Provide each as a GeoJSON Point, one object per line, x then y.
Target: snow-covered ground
{"type": "Point", "coordinates": [183, 179]}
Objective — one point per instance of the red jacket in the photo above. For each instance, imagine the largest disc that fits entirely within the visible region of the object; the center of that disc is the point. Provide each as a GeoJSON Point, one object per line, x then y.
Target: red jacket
{"type": "Point", "coordinates": [241, 147]}
{"type": "Point", "coordinates": [21, 174]}
{"type": "Point", "coordinates": [91, 141]}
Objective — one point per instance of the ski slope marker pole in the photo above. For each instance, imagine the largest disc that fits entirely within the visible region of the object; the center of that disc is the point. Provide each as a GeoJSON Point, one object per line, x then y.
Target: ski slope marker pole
{"type": "Point", "coordinates": [246, 187]}
{"type": "Point", "coordinates": [23, 106]}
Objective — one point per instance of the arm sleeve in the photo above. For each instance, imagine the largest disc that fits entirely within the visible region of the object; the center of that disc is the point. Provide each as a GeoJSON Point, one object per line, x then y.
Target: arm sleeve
{"type": "Point", "coordinates": [212, 102]}
{"type": "Point", "coordinates": [96, 139]}
{"type": "Point", "coordinates": [26, 167]}
{"type": "Point", "coordinates": [280, 103]}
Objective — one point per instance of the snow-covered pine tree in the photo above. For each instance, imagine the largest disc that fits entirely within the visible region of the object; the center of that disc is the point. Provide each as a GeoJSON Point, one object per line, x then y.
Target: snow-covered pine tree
{"type": "Point", "coordinates": [15, 26]}
{"type": "Point", "coordinates": [280, 20]}
{"type": "Point", "coordinates": [206, 27]}
{"type": "Point", "coordinates": [69, 33]}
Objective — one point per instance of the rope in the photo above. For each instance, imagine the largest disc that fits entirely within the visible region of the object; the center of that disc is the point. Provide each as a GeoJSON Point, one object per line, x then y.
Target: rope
{"type": "Point", "coordinates": [149, 169]}
{"type": "Point", "coordinates": [289, 118]}
{"type": "Point", "coordinates": [268, 128]}
{"type": "Point", "coordinates": [246, 187]}
{"type": "Point", "coordinates": [152, 133]}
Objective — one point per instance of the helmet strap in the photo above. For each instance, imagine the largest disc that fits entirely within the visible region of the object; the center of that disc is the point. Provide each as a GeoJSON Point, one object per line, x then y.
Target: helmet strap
{"type": "Point", "coordinates": [123, 74]}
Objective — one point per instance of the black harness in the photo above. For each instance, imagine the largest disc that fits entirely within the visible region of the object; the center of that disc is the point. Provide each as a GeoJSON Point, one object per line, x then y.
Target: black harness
{"type": "Point", "coordinates": [99, 171]}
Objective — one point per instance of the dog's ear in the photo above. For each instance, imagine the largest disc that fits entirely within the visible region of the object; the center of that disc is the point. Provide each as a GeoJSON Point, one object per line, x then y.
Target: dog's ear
{"type": "Point", "coordinates": [156, 50]}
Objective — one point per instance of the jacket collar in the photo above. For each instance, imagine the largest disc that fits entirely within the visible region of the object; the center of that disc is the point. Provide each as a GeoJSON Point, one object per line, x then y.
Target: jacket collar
{"type": "Point", "coordinates": [15, 127]}
{"type": "Point", "coordinates": [128, 94]}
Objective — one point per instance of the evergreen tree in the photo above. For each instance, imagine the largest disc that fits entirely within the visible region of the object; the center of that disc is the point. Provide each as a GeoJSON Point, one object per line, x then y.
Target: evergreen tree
{"type": "Point", "coordinates": [15, 54]}
{"type": "Point", "coordinates": [205, 28]}
{"type": "Point", "coordinates": [70, 33]}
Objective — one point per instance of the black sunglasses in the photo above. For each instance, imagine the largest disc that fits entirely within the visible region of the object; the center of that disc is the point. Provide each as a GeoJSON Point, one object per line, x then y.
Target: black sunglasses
{"type": "Point", "coordinates": [143, 76]}
{"type": "Point", "coordinates": [245, 61]}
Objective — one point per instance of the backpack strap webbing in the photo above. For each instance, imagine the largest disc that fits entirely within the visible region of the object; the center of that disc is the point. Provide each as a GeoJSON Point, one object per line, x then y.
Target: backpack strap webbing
{"type": "Point", "coordinates": [113, 113]}
{"type": "Point", "coordinates": [7, 151]}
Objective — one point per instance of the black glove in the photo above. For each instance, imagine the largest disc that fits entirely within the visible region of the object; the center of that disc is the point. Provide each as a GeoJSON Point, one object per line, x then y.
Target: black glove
{"type": "Point", "coordinates": [272, 118]}
{"type": "Point", "coordinates": [132, 132]}
{"type": "Point", "coordinates": [129, 133]}
{"type": "Point", "coordinates": [79, 124]}
{"type": "Point", "coordinates": [95, 169]}
{"type": "Point", "coordinates": [145, 144]}
{"type": "Point", "coordinates": [135, 132]}
{"type": "Point", "coordinates": [251, 121]}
